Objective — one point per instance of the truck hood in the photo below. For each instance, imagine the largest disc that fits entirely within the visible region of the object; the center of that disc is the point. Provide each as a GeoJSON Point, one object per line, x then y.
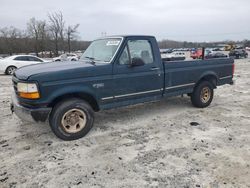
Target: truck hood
{"type": "Point", "coordinates": [53, 69]}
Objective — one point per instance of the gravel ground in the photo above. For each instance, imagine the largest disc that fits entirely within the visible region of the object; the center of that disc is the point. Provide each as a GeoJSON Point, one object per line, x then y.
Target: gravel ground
{"type": "Point", "coordinates": [161, 144]}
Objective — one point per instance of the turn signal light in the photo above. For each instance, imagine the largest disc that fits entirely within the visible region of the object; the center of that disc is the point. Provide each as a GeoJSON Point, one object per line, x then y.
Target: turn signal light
{"type": "Point", "coordinates": [34, 95]}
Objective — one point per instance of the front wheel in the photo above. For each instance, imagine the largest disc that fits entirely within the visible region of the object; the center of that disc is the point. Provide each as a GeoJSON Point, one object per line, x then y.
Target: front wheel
{"type": "Point", "coordinates": [202, 95]}
{"type": "Point", "coordinates": [71, 119]}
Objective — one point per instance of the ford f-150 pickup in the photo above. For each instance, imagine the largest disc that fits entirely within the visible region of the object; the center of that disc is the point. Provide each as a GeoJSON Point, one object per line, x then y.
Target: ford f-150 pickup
{"type": "Point", "coordinates": [113, 72]}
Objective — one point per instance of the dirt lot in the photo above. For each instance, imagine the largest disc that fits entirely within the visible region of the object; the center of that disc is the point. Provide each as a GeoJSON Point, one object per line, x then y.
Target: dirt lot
{"type": "Point", "coordinates": [145, 145]}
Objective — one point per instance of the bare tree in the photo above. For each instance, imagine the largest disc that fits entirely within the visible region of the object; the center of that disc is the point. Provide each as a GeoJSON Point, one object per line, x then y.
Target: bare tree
{"type": "Point", "coordinates": [71, 34]}
{"type": "Point", "coordinates": [10, 37]}
{"type": "Point", "coordinates": [37, 30]}
{"type": "Point", "coordinates": [56, 28]}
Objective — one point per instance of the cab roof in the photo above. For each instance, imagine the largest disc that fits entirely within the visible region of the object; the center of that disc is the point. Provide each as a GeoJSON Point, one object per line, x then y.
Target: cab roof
{"type": "Point", "coordinates": [128, 36]}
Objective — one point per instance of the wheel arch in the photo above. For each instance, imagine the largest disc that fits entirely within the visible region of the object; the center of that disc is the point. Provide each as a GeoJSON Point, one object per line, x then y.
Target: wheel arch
{"type": "Point", "coordinates": [81, 95]}
{"type": "Point", "coordinates": [8, 67]}
{"type": "Point", "coordinates": [210, 77]}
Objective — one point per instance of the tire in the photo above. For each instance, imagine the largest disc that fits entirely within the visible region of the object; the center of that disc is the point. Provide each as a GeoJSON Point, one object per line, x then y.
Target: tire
{"type": "Point", "coordinates": [10, 70]}
{"type": "Point", "coordinates": [68, 112]}
{"type": "Point", "coordinates": [73, 59]}
{"type": "Point", "coordinates": [202, 95]}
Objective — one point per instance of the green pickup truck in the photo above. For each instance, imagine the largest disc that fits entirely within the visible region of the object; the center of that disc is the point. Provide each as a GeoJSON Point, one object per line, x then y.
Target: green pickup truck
{"type": "Point", "coordinates": [113, 72]}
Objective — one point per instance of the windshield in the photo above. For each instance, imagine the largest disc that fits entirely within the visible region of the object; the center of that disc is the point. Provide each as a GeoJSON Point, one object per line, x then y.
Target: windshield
{"type": "Point", "coordinates": [102, 49]}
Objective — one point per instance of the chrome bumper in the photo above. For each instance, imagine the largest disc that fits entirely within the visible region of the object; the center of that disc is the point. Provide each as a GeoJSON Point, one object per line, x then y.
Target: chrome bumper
{"type": "Point", "coordinates": [29, 114]}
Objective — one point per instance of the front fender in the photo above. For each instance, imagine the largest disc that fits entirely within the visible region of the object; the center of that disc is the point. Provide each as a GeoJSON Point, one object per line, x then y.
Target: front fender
{"type": "Point", "coordinates": [71, 90]}
{"type": "Point", "coordinates": [49, 93]}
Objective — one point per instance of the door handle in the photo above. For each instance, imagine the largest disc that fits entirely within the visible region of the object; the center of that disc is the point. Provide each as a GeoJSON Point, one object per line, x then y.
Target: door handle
{"type": "Point", "coordinates": [154, 68]}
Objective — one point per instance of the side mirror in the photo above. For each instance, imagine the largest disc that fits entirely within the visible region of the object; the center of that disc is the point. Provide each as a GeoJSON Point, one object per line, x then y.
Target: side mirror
{"type": "Point", "coordinates": [137, 62]}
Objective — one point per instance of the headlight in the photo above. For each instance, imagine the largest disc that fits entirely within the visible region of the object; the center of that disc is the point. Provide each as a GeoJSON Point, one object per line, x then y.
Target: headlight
{"type": "Point", "coordinates": [28, 90]}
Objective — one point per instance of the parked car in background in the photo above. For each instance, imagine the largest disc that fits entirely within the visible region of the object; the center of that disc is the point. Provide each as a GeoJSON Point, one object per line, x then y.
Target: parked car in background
{"type": "Point", "coordinates": [215, 55]}
{"type": "Point", "coordinates": [238, 54]}
{"type": "Point", "coordinates": [174, 56]}
{"type": "Point", "coordinates": [180, 49]}
{"type": "Point", "coordinates": [197, 53]}
{"type": "Point", "coordinates": [67, 57]}
{"type": "Point", "coordinates": [166, 51]}
{"type": "Point", "coordinates": [239, 48]}
{"type": "Point", "coordinates": [9, 64]}
{"type": "Point", "coordinates": [216, 49]}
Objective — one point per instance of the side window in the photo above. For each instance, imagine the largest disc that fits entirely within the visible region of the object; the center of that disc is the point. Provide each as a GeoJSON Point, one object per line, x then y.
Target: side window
{"type": "Point", "coordinates": [21, 58]}
{"type": "Point", "coordinates": [34, 59]}
{"type": "Point", "coordinates": [141, 49]}
{"type": "Point", "coordinates": [124, 58]}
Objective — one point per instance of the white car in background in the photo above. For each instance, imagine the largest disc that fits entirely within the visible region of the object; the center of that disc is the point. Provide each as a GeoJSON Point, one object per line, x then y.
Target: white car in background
{"type": "Point", "coordinates": [174, 56]}
{"type": "Point", "coordinates": [67, 57]}
{"type": "Point", "coordinates": [9, 64]}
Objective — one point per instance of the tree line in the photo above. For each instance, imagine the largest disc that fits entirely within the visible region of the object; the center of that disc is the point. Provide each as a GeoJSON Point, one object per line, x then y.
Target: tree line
{"type": "Point", "coordinates": [42, 37]}
{"type": "Point", "coordinates": [52, 36]}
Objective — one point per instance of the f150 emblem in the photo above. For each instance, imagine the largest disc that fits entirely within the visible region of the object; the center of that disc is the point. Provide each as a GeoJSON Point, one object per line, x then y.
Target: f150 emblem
{"type": "Point", "coordinates": [98, 85]}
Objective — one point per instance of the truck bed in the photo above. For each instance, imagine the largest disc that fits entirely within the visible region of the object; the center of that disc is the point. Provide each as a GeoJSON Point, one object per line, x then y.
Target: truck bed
{"type": "Point", "coordinates": [181, 76]}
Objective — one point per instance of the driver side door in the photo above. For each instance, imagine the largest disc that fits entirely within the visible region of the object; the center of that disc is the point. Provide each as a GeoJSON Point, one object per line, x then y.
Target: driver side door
{"type": "Point", "coordinates": [137, 82]}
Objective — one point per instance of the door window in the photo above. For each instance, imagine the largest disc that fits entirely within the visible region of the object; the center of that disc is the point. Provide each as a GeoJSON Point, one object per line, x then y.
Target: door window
{"type": "Point", "coordinates": [21, 58]}
{"type": "Point", "coordinates": [124, 58]}
{"type": "Point", "coordinates": [141, 49]}
{"type": "Point", "coordinates": [34, 59]}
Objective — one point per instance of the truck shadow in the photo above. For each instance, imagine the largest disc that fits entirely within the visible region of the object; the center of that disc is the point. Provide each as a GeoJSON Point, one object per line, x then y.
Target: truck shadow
{"type": "Point", "coordinates": [152, 109]}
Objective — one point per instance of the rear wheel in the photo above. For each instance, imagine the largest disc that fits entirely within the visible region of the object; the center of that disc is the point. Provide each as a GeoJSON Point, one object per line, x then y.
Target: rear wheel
{"type": "Point", "coordinates": [10, 70]}
{"type": "Point", "coordinates": [71, 119]}
{"type": "Point", "coordinates": [202, 95]}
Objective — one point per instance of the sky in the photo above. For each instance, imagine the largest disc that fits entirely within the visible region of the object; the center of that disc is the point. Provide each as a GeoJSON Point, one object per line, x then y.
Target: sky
{"type": "Point", "coordinates": [182, 20]}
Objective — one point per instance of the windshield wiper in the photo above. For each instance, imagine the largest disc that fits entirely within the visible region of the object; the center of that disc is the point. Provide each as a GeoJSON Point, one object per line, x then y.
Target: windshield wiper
{"type": "Point", "coordinates": [92, 60]}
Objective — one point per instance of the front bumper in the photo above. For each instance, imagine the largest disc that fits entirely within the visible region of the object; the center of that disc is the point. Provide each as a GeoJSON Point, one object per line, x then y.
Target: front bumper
{"type": "Point", "coordinates": [29, 114]}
